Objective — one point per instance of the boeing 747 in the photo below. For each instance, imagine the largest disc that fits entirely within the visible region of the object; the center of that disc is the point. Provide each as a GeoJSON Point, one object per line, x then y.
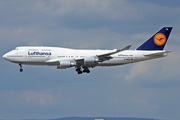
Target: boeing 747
{"type": "Point", "coordinates": [82, 60]}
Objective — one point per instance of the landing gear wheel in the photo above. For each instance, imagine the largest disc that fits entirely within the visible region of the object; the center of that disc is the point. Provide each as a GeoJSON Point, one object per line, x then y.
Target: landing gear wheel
{"type": "Point", "coordinates": [79, 72]}
{"type": "Point", "coordinates": [86, 70]}
{"type": "Point", "coordinates": [78, 69]}
{"type": "Point", "coordinates": [20, 68]}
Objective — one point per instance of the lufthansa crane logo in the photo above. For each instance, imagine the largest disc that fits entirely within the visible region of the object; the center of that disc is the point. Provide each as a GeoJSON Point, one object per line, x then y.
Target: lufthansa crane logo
{"type": "Point", "coordinates": [159, 39]}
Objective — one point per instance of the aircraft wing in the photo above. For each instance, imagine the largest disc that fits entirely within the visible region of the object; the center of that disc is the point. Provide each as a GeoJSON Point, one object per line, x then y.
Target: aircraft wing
{"type": "Point", "coordinates": [115, 51]}
{"type": "Point", "coordinates": [52, 60]}
{"type": "Point", "coordinates": [101, 57]}
{"type": "Point", "coordinates": [79, 60]}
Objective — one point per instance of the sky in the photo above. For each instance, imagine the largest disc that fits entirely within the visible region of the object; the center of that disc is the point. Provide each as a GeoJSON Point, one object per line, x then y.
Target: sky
{"type": "Point", "coordinates": [148, 89]}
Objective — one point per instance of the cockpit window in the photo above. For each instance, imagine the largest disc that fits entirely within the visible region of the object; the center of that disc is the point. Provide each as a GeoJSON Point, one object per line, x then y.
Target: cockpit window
{"type": "Point", "coordinates": [16, 48]}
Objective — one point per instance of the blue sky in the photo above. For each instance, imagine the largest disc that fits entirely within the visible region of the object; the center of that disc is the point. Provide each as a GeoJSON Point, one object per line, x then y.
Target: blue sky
{"type": "Point", "coordinates": [145, 89]}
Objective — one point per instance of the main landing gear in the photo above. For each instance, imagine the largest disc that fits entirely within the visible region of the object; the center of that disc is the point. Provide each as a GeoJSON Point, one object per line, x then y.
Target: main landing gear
{"type": "Point", "coordinates": [20, 68]}
{"type": "Point", "coordinates": [86, 70]}
{"type": "Point", "coordinates": [79, 70]}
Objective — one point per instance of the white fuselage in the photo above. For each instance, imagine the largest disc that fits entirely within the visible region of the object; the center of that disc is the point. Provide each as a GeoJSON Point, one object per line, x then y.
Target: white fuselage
{"type": "Point", "coordinates": [49, 55]}
{"type": "Point", "coordinates": [82, 60]}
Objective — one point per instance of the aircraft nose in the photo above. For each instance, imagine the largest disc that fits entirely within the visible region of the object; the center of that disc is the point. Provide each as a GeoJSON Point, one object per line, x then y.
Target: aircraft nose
{"type": "Point", "coordinates": [5, 56]}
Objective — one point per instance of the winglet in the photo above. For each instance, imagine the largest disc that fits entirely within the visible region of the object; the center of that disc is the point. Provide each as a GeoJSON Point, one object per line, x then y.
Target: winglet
{"type": "Point", "coordinates": [127, 47]}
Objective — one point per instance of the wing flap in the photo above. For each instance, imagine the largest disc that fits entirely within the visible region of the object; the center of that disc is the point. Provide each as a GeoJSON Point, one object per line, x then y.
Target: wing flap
{"type": "Point", "coordinates": [52, 61]}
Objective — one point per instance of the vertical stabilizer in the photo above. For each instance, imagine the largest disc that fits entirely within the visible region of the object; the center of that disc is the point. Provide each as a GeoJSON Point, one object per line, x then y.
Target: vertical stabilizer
{"type": "Point", "coordinates": [157, 41]}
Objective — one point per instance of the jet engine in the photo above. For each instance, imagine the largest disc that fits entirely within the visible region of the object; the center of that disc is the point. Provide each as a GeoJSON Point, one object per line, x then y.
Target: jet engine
{"type": "Point", "coordinates": [65, 64]}
{"type": "Point", "coordinates": [90, 60]}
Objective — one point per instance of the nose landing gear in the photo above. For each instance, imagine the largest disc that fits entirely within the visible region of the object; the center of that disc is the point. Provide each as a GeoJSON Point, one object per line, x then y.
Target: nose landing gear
{"type": "Point", "coordinates": [20, 68]}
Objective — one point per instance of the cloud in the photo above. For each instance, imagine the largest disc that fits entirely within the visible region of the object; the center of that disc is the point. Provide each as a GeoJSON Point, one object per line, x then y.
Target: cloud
{"type": "Point", "coordinates": [143, 103]}
{"type": "Point", "coordinates": [175, 38]}
{"type": "Point", "coordinates": [141, 36]}
{"type": "Point", "coordinates": [160, 68]}
{"type": "Point", "coordinates": [137, 69]}
{"type": "Point", "coordinates": [38, 97]}
{"type": "Point", "coordinates": [89, 24]}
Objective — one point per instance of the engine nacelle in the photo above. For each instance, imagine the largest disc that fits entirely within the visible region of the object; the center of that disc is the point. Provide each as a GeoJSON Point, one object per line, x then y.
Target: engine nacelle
{"type": "Point", "coordinates": [65, 64]}
{"type": "Point", "coordinates": [90, 60]}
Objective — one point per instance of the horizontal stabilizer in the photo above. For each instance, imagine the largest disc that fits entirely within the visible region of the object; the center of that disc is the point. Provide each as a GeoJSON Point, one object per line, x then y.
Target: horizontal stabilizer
{"type": "Point", "coordinates": [158, 53]}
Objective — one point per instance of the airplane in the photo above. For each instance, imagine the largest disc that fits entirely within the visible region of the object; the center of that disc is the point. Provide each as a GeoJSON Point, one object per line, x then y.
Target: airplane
{"type": "Point", "coordinates": [82, 60]}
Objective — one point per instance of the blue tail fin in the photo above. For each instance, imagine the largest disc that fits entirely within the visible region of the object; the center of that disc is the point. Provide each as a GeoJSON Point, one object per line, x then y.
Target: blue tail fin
{"type": "Point", "coordinates": [157, 41]}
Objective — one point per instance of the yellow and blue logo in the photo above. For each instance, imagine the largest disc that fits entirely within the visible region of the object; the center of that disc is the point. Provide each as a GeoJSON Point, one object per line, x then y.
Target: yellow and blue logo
{"type": "Point", "coordinates": [159, 39]}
